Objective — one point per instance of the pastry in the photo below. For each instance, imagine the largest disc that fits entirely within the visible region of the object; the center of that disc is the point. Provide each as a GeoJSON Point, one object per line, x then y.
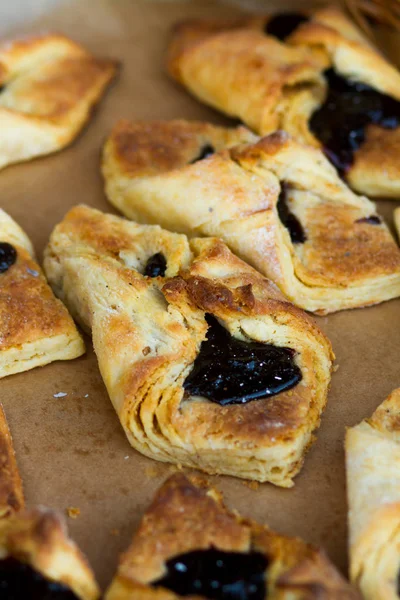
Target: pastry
{"type": "Point", "coordinates": [190, 545]}
{"type": "Point", "coordinates": [207, 365]}
{"type": "Point", "coordinates": [397, 220]}
{"type": "Point", "coordinates": [48, 88]}
{"type": "Point", "coordinates": [373, 488]}
{"type": "Point", "coordinates": [314, 75]}
{"type": "Point", "coordinates": [277, 203]}
{"type": "Point", "coordinates": [11, 492]}
{"type": "Point", "coordinates": [35, 327]}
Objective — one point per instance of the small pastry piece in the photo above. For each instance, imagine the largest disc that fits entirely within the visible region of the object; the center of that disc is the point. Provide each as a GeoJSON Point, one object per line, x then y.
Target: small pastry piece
{"type": "Point", "coordinates": [206, 364]}
{"type": "Point", "coordinates": [11, 492]}
{"type": "Point", "coordinates": [35, 327]}
{"type": "Point", "coordinates": [48, 87]}
{"type": "Point", "coordinates": [278, 204]}
{"type": "Point", "coordinates": [347, 100]}
{"type": "Point", "coordinates": [373, 488]}
{"type": "Point", "coordinates": [190, 545]}
{"type": "Point", "coordinates": [397, 220]}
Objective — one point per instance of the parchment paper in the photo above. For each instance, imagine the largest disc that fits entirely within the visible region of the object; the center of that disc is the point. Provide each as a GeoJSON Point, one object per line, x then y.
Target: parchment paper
{"type": "Point", "coordinates": [71, 450]}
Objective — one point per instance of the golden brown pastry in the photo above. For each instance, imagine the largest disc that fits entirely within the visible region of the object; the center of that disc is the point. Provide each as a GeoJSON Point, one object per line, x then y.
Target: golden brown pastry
{"type": "Point", "coordinates": [373, 488]}
{"type": "Point", "coordinates": [11, 492]}
{"type": "Point", "coordinates": [35, 327]}
{"type": "Point", "coordinates": [277, 203]}
{"type": "Point", "coordinates": [190, 545]}
{"type": "Point", "coordinates": [312, 74]}
{"type": "Point", "coordinates": [48, 87]}
{"type": "Point", "coordinates": [397, 220]}
{"type": "Point", "coordinates": [207, 365]}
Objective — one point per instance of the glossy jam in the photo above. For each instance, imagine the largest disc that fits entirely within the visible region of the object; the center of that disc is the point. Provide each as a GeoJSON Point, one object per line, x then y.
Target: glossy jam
{"type": "Point", "coordinates": [372, 220]}
{"type": "Point", "coordinates": [231, 371]}
{"type": "Point", "coordinates": [349, 108]}
{"type": "Point", "coordinates": [206, 151]}
{"type": "Point", "coordinates": [19, 581]}
{"type": "Point", "coordinates": [156, 265]}
{"type": "Point", "coordinates": [8, 256]}
{"type": "Point", "coordinates": [292, 224]}
{"type": "Point", "coordinates": [217, 575]}
{"type": "Point", "coordinates": [282, 25]}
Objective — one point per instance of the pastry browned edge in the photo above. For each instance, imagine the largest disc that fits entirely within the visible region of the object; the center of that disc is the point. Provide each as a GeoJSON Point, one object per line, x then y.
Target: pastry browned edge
{"type": "Point", "coordinates": [35, 327]}
{"type": "Point", "coordinates": [373, 488]}
{"type": "Point", "coordinates": [148, 331]}
{"type": "Point", "coordinates": [270, 84]}
{"type": "Point", "coordinates": [277, 203]}
{"type": "Point", "coordinates": [184, 517]}
{"type": "Point", "coordinates": [35, 549]}
{"type": "Point", "coordinates": [48, 88]}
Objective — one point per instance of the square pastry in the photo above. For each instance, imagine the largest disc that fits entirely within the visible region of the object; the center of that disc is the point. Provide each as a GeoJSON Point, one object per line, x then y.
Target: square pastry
{"type": "Point", "coordinates": [312, 74]}
{"type": "Point", "coordinates": [48, 88]}
{"type": "Point", "coordinates": [206, 363]}
{"type": "Point", "coordinates": [373, 488]}
{"type": "Point", "coordinates": [189, 545]}
{"type": "Point", "coordinates": [35, 327]}
{"type": "Point", "coordinates": [277, 203]}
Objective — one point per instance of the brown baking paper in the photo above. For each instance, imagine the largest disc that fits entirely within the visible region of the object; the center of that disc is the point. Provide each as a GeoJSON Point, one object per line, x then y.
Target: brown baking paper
{"type": "Point", "coordinates": [71, 450]}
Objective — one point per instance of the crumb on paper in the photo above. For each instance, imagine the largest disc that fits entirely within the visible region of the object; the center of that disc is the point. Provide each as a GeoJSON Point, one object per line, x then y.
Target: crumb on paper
{"type": "Point", "coordinates": [252, 485]}
{"type": "Point", "coordinates": [125, 457]}
{"type": "Point", "coordinates": [115, 532]}
{"type": "Point", "coordinates": [60, 395]}
{"type": "Point", "coordinates": [86, 396]}
{"type": "Point", "coordinates": [73, 512]}
{"type": "Point", "coordinates": [335, 368]}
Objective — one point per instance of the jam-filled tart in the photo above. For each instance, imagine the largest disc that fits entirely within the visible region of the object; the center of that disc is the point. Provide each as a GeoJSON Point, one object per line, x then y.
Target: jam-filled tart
{"type": "Point", "coordinates": [312, 74]}
{"type": "Point", "coordinates": [189, 545]}
{"type": "Point", "coordinates": [206, 363]}
{"type": "Point", "coordinates": [35, 327]}
{"type": "Point", "coordinates": [277, 203]}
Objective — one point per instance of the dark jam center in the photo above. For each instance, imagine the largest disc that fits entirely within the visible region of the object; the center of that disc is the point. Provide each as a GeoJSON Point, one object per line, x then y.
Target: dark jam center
{"type": "Point", "coordinates": [206, 151]}
{"type": "Point", "coordinates": [156, 265]}
{"type": "Point", "coordinates": [217, 575]}
{"type": "Point", "coordinates": [292, 224]}
{"type": "Point", "coordinates": [348, 109]}
{"type": "Point", "coordinates": [372, 220]}
{"type": "Point", "coordinates": [231, 371]}
{"type": "Point", "coordinates": [19, 581]}
{"type": "Point", "coordinates": [8, 256]}
{"type": "Point", "coordinates": [282, 25]}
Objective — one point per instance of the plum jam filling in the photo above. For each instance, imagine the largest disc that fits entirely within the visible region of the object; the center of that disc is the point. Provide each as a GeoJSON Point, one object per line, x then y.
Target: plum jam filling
{"type": "Point", "coordinates": [216, 575]}
{"type": "Point", "coordinates": [156, 265]}
{"type": "Point", "coordinates": [349, 108]}
{"type": "Point", "coordinates": [282, 25]}
{"type": "Point", "coordinates": [19, 581]}
{"type": "Point", "coordinates": [206, 151]}
{"type": "Point", "coordinates": [8, 256]}
{"type": "Point", "coordinates": [230, 371]}
{"type": "Point", "coordinates": [372, 220]}
{"type": "Point", "coordinates": [288, 219]}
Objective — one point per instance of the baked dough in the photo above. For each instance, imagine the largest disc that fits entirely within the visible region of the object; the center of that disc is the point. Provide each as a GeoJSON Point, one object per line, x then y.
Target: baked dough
{"type": "Point", "coordinates": [48, 87]}
{"type": "Point", "coordinates": [397, 220]}
{"type": "Point", "coordinates": [277, 203]}
{"type": "Point", "coordinates": [148, 333]}
{"type": "Point", "coordinates": [35, 327]}
{"type": "Point", "coordinates": [184, 518]}
{"type": "Point", "coordinates": [275, 84]}
{"type": "Point", "coordinates": [11, 492]}
{"type": "Point", "coordinates": [373, 487]}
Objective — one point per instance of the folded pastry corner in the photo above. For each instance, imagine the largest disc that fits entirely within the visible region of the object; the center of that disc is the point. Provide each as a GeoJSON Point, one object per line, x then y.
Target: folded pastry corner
{"type": "Point", "coordinates": [207, 365]}
{"type": "Point", "coordinates": [11, 491]}
{"type": "Point", "coordinates": [277, 203]}
{"type": "Point", "coordinates": [190, 545]}
{"type": "Point", "coordinates": [373, 488]}
{"type": "Point", "coordinates": [312, 74]}
{"type": "Point", "coordinates": [35, 327]}
{"type": "Point", "coordinates": [48, 87]}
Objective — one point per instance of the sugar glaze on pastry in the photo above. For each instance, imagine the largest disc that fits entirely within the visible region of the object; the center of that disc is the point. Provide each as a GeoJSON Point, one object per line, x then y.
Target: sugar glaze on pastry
{"type": "Point", "coordinates": [277, 203]}
{"type": "Point", "coordinates": [150, 334]}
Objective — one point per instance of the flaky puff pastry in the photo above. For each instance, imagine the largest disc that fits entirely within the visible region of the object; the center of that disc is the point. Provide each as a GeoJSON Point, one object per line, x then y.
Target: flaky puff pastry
{"type": "Point", "coordinates": [335, 252]}
{"type": "Point", "coordinates": [271, 84]}
{"type": "Point", "coordinates": [184, 518]}
{"type": "Point", "coordinates": [147, 333]}
{"type": "Point", "coordinates": [373, 487]}
{"type": "Point", "coordinates": [48, 87]}
{"type": "Point", "coordinates": [35, 327]}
